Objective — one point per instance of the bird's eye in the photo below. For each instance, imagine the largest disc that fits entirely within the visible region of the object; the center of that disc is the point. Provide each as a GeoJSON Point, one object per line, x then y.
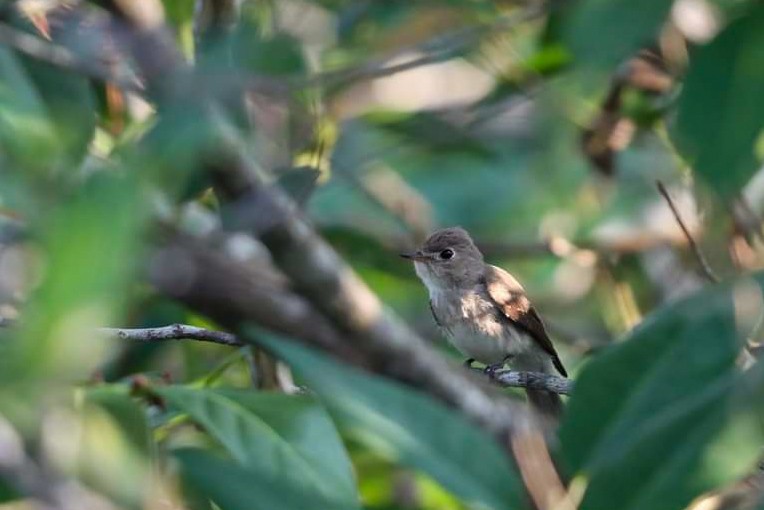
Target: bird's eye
{"type": "Point", "coordinates": [447, 254]}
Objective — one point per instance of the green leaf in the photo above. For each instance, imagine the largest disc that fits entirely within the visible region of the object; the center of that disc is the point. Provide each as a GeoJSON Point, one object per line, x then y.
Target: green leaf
{"type": "Point", "coordinates": [91, 248]}
{"type": "Point", "coordinates": [428, 132]}
{"type": "Point", "coordinates": [601, 33]}
{"type": "Point", "coordinates": [654, 420]}
{"type": "Point", "coordinates": [299, 182]}
{"type": "Point", "coordinates": [721, 109]}
{"type": "Point", "coordinates": [407, 426]}
{"type": "Point", "coordinates": [276, 436]}
{"type": "Point", "coordinates": [71, 105]}
{"type": "Point", "coordinates": [233, 487]}
{"type": "Point", "coordinates": [115, 446]}
{"type": "Point", "coordinates": [27, 136]}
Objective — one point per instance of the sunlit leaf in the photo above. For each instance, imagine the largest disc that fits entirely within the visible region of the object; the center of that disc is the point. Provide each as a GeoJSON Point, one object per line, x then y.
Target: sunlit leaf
{"type": "Point", "coordinates": [274, 436]}
{"type": "Point", "coordinates": [408, 427]}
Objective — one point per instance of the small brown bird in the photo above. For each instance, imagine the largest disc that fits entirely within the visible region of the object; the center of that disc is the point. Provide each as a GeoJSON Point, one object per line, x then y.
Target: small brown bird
{"type": "Point", "coordinates": [484, 311]}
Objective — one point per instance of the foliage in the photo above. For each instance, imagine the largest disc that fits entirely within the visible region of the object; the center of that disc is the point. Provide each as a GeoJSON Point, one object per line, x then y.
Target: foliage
{"type": "Point", "coordinates": [487, 133]}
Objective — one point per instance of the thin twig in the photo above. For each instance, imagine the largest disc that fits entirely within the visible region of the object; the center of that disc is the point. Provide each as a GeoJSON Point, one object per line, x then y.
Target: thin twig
{"type": "Point", "coordinates": [173, 332]}
{"type": "Point", "coordinates": [702, 262]}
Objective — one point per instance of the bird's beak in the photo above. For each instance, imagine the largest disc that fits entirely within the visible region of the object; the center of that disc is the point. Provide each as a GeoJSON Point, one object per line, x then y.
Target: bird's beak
{"type": "Point", "coordinates": [414, 256]}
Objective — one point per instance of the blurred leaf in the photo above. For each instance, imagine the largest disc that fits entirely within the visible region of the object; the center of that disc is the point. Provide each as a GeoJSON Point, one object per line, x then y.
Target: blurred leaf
{"type": "Point", "coordinates": [276, 55]}
{"type": "Point", "coordinates": [70, 103]}
{"type": "Point", "coordinates": [180, 13]}
{"type": "Point", "coordinates": [90, 245]}
{"type": "Point", "coordinates": [406, 426]}
{"type": "Point", "coordinates": [275, 437]}
{"type": "Point", "coordinates": [26, 134]}
{"type": "Point", "coordinates": [653, 421]}
{"type": "Point", "coordinates": [721, 108]}
{"type": "Point", "coordinates": [602, 33]}
{"type": "Point", "coordinates": [7, 493]}
{"type": "Point", "coordinates": [117, 402]}
{"type": "Point", "coordinates": [299, 183]}
{"type": "Point", "coordinates": [428, 132]}
{"type": "Point", "coordinates": [233, 487]}
{"type": "Point", "coordinates": [115, 446]}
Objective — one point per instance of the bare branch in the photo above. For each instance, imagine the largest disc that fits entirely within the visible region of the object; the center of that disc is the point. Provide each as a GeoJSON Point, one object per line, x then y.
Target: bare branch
{"type": "Point", "coordinates": [173, 332]}
{"type": "Point", "coordinates": [702, 262]}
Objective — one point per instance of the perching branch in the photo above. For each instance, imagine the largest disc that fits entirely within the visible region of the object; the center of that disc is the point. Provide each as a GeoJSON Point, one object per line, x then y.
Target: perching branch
{"type": "Point", "coordinates": [534, 381]}
{"type": "Point", "coordinates": [508, 378]}
{"type": "Point", "coordinates": [702, 262]}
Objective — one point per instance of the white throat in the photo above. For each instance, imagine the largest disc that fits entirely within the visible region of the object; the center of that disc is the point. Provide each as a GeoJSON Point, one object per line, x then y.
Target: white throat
{"type": "Point", "coordinates": [434, 284]}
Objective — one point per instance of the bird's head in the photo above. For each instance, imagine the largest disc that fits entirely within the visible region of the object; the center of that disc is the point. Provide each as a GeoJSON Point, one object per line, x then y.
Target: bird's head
{"type": "Point", "coordinates": [448, 259]}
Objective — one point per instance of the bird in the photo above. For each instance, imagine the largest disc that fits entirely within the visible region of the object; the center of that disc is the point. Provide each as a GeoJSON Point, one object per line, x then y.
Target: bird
{"type": "Point", "coordinates": [485, 313]}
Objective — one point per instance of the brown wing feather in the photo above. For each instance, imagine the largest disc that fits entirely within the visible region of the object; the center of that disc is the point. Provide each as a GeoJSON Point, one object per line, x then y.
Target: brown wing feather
{"type": "Point", "coordinates": [510, 297]}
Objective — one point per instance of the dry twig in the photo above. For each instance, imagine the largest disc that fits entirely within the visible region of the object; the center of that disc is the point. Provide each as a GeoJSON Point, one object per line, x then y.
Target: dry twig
{"type": "Point", "coordinates": [702, 262]}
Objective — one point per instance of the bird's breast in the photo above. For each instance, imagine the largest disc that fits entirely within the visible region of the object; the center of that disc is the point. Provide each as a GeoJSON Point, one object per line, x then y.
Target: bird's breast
{"type": "Point", "coordinates": [473, 325]}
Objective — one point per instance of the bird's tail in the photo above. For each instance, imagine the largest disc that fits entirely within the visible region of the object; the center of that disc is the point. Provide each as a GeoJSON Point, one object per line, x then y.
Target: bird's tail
{"type": "Point", "coordinates": [548, 405]}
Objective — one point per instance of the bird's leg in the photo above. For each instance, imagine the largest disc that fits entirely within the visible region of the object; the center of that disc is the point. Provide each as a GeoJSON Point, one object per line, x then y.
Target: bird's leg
{"type": "Point", "coordinates": [468, 362]}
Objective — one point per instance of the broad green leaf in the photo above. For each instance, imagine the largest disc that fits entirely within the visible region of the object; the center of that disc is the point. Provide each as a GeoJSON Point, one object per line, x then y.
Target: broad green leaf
{"type": "Point", "coordinates": [407, 426]}
{"type": "Point", "coordinates": [274, 436]}
{"type": "Point", "coordinates": [656, 420]}
{"type": "Point", "coordinates": [601, 33]}
{"type": "Point", "coordinates": [721, 109]}
{"type": "Point", "coordinates": [233, 487]}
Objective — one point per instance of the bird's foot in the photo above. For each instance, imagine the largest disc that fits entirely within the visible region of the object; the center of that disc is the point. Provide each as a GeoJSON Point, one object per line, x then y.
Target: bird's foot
{"type": "Point", "coordinates": [468, 362]}
{"type": "Point", "coordinates": [490, 370]}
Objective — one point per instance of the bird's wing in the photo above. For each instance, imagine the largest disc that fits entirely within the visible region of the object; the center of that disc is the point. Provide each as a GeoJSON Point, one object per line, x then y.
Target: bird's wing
{"type": "Point", "coordinates": [509, 296]}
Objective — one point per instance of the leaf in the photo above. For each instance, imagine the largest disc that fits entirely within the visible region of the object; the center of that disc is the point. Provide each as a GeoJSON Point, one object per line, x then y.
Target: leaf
{"type": "Point", "coordinates": [428, 132]}
{"type": "Point", "coordinates": [282, 437]}
{"type": "Point", "coordinates": [115, 446]}
{"type": "Point", "coordinates": [721, 109]}
{"type": "Point", "coordinates": [406, 426]}
{"type": "Point", "coordinates": [91, 246]}
{"type": "Point", "coordinates": [299, 182]}
{"type": "Point", "coordinates": [647, 420]}
{"type": "Point", "coordinates": [26, 133]}
{"type": "Point", "coordinates": [71, 105]}
{"type": "Point", "coordinates": [233, 487]}
{"type": "Point", "coordinates": [601, 33]}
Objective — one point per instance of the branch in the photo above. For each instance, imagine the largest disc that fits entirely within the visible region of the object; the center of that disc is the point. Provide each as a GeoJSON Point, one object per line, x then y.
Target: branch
{"type": "Point", "coordinates": [702, 262]}
{"type": "Point", "coordinates": [534, 381]}
{"type": "Point", "coordinates": [508, 378]}
{"type": "Point", "coordinates": [173, 332]}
